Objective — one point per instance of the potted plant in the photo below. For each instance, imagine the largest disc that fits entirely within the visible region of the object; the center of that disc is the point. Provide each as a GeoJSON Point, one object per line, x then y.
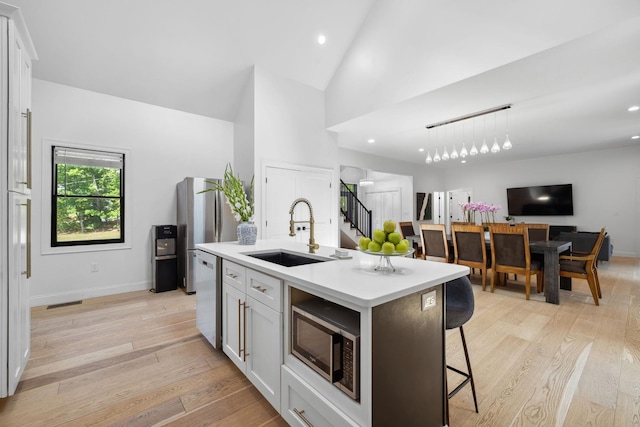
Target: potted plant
{"type": "Point", "coordinates": [240, 203]}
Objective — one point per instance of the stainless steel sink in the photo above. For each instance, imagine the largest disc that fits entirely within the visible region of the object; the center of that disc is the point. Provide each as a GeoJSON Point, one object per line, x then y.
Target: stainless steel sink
{"type": "Point", "coordinates": [287, 258]}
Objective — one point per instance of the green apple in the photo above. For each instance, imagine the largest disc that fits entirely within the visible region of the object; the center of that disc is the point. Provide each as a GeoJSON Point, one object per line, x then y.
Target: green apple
{"type": "Point", "coordinates": [394, 237]}
{"type": "Point", "coordinates": [388, 247]}
{"type": "Point", "coordinates": [407, 242]}
{"type": "Point", "coordinates": [379, 236]}
{"type": "Point", "coordinates": [374, 246]}
{"type": "Point", "coordinates": [389, 226]}
{"type": "Point", "coordinates": [364, 243]}
{"type": "Point", "coordinates": [402, 247]}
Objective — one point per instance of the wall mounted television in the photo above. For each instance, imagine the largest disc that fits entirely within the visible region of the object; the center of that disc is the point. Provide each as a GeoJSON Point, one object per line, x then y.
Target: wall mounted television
{"type": "Point", "coordinates": [540, 200]}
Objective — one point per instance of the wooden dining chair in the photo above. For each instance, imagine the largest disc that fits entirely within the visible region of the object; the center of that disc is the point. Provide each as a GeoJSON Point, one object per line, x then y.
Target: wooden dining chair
{"type": "Point", "coordinates": [538, 232]}
{"type": "Point", "coordinates": [469, 248]}
{"type": "Point", "coordinates": [510, 254]}
{"type": "Point", "coordinates": [578, 265]}
{"type": "Point", "coordinates": [435, 246]}
{"type": "Point", "coordinates": [406, 229]}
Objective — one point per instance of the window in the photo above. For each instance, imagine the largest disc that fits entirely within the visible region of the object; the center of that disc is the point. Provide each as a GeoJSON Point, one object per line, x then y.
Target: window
{"type": "Point", "coordinates": [87, 202]}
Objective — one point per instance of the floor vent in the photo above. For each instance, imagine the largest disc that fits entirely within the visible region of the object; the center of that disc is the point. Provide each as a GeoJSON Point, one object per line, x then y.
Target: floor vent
{"type": "Point", "coordinates": [64, 304]}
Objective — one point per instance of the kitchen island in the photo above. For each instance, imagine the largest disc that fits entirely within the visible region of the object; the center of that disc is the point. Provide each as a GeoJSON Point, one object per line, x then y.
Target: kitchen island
{"type": "Point", "coordinates": [400, 364]}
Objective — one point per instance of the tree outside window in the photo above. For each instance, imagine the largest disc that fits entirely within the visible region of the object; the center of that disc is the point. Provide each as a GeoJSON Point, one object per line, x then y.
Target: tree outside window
{"type": "Point", "coordinates": [88, 197]}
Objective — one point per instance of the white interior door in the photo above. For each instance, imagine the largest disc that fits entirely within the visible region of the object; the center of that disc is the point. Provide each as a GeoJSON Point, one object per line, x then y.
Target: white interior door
{"type": "Point", "coordinates": [457, 197]}
{"type": "Point", "coordinates": [282, 187]}
{"type": "Point", "coordinates": [384, 205]}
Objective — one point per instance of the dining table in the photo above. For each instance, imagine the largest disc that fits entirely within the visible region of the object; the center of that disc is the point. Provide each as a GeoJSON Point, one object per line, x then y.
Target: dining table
{"type": "Point", "coordinates": [550, 250]}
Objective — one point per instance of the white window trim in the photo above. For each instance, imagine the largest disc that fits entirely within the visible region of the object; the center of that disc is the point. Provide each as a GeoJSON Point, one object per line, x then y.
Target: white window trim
{"type": "Point", "coordinates": [47, 173]}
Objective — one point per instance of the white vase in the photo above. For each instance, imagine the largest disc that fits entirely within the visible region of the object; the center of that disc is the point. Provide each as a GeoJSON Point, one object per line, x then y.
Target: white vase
{"type": "Point", "coordinates": [247, 233]}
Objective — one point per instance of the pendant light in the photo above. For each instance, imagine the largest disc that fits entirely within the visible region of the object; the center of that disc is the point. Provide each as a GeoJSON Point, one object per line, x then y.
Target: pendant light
{"type": "Point", "coordinates": [454, 152]}
{"type": "Point", "coordinates": [474, 150]}
{"type": "Point", "coordinates": [507, 143]}
{"type": "Point", "coordinates": [445, 154]}
{"type": "Point", "coordinates": [429, 159]}
{"type": "Point", "coordinates": [484, 149]}
{"type": "Point", "coordinates": [495, 148]}
{"type": "Point", "coordinates": [436, 158]}
{"type": "Point", "coordinates": [463, 150]}
{"type": "Point", "coordinates": [365, 182]}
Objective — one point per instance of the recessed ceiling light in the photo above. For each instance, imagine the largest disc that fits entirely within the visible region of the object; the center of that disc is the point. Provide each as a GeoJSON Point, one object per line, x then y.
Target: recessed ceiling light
{"type": "Point", "coordinates": [463, 161]}
{"type": "Point", "coordinates": [635, 137]}
{"type": "Point", "coordinates": [421, 149]}
{"type": "Point", "coordinates": [371, 141]}
{"type": "Point", "coordinates": [322, 39]}
{"type": "Point", "coordinates": [634, 108]}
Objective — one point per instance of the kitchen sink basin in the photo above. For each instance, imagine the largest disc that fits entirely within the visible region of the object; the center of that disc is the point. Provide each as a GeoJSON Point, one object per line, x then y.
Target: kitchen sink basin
{"type": "Point", "coordinates": [287, 258]}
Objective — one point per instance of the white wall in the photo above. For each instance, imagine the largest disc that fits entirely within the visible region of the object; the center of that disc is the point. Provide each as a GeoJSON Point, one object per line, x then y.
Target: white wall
{"type": "Point", "coordinates": [604, 190]}
{"type": "Point", "coordinates": [384, 182]}
{"type": "Point", "coordinates": [290, 128]}
{"type": "Point", "coordinates": [397, 54]}
{"type": "Point", "coordinates": [425, 179]}
{"type": "Point", "coordinates": [244, 134]}
{"type": "Point", "coordinates": [165, 145]}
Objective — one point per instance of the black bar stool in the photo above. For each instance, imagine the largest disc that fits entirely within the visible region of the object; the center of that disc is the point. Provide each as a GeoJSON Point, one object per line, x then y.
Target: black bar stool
{"type": "Point", "coordinates": [459, 309]}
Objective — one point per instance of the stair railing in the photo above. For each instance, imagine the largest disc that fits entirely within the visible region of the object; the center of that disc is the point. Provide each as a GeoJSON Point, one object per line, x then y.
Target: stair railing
{"type": "Point", "coordinates": [354, 211]}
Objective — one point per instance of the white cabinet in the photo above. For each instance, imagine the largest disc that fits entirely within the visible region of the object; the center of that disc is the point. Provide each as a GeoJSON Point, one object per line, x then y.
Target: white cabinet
{"type": "Point", "coordinates": [19, 321]}
{"type": "Point", "coordinates": [16, 54]}
{"type": "Point", "coordinates": [303, 406]}
{"type": "Point", "coordinates": [252, 326]}
{"type": "Point", "coordinates": [19, 142]}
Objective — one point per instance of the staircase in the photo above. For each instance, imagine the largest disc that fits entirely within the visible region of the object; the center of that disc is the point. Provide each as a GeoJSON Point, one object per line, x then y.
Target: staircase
{"type": "Point", "coordinates": [356, 218]}
{"type": "Point", "coordinates": [349, 236]}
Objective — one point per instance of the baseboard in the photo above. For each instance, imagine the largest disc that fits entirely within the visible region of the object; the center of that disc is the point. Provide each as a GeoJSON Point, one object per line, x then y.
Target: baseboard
{"type": "Point", "coordinates": [625, 254]}
{"type": "Point", "coordinates": [81, 294]}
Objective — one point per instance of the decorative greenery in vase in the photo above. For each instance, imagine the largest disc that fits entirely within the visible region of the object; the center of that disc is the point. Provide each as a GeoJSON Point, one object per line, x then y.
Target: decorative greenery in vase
{"type": "Point", "coordinates": [241, 205]}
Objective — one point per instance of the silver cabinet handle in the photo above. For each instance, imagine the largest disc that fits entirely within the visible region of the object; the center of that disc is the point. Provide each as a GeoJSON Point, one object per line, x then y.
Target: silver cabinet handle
{"type": "Point", "coordinates": [244, 337]}
{"type": "Point", "coordinates": [259, 288]}
{"type": "Point", "coordinates": [27, 115]}
{"type": "Point", "coordinates": [302, 417]}
{"type": "Point", "coordinates": [28, 266]}
{"type": "Point", "coordinates": [240, 312]}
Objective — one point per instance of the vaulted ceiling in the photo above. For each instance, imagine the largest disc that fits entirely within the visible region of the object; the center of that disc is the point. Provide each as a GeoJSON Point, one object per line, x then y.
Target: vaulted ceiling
{"type": "Point", "coordinates": [389, 67]}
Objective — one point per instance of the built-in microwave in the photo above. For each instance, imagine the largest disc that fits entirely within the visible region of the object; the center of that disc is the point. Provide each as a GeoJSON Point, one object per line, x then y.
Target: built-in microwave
{"type": "Point", "coordinates": [326, 336]}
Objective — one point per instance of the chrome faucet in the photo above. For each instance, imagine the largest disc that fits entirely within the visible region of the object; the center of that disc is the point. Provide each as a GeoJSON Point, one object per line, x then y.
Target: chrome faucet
{"type": "Point", "coordinates": [312, 243]}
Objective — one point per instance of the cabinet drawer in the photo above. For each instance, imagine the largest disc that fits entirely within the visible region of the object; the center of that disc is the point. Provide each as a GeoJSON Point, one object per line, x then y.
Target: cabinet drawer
{"type": "Point", "coordinates": [264, 288]}
{"type": "Point", "coordinates": [302, 406]}
{"type": "Point", "coordinates": [234, 274]}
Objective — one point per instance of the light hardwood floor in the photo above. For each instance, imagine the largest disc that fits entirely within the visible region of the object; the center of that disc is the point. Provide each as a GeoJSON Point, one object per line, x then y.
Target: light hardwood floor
{"type": "Point", "coordinates": [137, 359]}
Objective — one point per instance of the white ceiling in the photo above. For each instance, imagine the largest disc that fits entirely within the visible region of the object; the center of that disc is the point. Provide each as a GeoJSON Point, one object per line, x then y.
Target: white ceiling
{"type": "Point", "coordinates": [570, 80]}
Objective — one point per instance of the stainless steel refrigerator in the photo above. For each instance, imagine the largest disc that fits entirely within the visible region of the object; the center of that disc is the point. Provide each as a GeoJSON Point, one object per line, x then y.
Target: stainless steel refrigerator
{"type": "Point", "coordinates": [202, 218]}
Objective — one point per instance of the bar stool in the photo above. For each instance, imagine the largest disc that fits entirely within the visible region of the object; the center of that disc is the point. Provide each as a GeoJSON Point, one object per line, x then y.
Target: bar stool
{"type": "Point", "coordinates": [459, 309]}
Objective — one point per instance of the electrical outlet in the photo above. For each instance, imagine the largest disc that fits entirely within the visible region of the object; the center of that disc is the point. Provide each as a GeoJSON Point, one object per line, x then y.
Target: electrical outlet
{"type": "Point", "coordinates": [428, 300]}
{"type": "Point", "coordinates": [94, 267]}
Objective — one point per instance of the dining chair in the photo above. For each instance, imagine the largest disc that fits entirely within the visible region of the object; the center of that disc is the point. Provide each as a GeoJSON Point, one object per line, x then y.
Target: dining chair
{"type": "Point", "coordinates": [510, 254]}
{"type": "Point", "coordinates": [435, 246]}
{"type": "Point", "coordinates": [469, 248]}
{"type": "Point", "coordinates": [538, 232]}
{"type": "Point", "coordinates": [578, 265]}
{"type": "Point", "coordinates": [406, 229]}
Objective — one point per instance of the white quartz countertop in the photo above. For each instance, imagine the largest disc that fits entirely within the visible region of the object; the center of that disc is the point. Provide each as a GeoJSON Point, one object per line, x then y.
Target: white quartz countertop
{"type": "Point", "coordinates": [351, 280]}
